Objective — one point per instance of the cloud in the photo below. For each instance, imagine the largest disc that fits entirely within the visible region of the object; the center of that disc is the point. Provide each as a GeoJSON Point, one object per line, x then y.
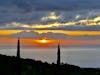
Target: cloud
{"type": "Point", "coordinates": [28, 5]}
{"type": "Point", "coordinates": [51, 35]}
{"type": "Point", "coordinates": [46, 12]}
{"type": "Point", "coordinates": [88, 24]}
{"type": "Point", "coordinates": [77, 16]}
{"type": "Point", "coordinates": [25, 34]}
{"type": "Point", "coordinates": [35, 35]}
{"type": "Point", "coordinates": [51, 16]}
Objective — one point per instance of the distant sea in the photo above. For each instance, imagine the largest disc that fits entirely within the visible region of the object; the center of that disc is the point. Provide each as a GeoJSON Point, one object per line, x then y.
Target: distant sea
{"type": "Point", "coordinates": [83, 57]}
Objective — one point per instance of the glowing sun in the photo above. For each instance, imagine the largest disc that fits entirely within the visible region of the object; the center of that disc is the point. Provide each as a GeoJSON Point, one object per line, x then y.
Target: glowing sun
{"type": "Point", "coordinates": [43, 41]}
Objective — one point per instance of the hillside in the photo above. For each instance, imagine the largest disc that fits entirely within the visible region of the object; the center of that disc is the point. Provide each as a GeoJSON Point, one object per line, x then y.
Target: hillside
{"type": "Point", "coordinates": [14, 66]}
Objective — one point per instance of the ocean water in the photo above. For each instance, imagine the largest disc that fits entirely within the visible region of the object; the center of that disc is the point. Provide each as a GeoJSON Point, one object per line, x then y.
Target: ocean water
{"type": "Point", "coordinates": [83, 57]}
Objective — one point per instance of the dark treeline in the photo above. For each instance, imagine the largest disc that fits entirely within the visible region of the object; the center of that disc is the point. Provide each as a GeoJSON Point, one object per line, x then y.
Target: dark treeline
{"type": "Point", "coordinates": [9, 66]}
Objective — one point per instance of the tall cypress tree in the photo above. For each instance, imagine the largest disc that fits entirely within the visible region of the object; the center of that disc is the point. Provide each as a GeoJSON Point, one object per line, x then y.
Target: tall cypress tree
{"type": "Point", "coordinates": [18, 62]}
{"type": "Point", "coordinates": [18, 48]}
{"type": "Point", "coordinates": [58, 55]}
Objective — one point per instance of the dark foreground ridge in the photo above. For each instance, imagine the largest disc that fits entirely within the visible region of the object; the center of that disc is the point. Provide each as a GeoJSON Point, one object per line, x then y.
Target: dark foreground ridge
{"type": "Point", "coordinates": [10, 66]}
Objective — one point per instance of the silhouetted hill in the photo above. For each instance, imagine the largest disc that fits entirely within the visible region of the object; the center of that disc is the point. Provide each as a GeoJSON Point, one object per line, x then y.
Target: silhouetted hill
{"type": "Point", "coordinates": [12, 65]}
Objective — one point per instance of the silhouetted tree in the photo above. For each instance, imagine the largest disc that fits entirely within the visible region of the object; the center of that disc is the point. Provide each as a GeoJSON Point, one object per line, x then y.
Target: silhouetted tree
{"type": "Point", "coordinates": [18, 49]}
{"type": "Point", "coordinates": [18, 62]}
{"type": "Point", "coordinates": [58, 55]}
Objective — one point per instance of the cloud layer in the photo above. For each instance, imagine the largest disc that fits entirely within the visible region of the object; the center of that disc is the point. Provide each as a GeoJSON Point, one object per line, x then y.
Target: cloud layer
{"type": "Point", "coordinates": [50, 35]}
{"type": "Point", "coordinates": [35, 35]}
{"type": "Point", "coordinates": [51, 4]}
{"type": "Point", "coordinates": [53, 22]}
{"type": "Point", "coordinates": [49, 14]}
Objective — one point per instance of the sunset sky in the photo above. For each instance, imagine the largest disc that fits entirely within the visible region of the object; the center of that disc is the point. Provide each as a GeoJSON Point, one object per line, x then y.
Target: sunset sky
{"type": "Point", "coordinates": [70, 21]}
{"type": "Point", "coordinates": [43, 24]}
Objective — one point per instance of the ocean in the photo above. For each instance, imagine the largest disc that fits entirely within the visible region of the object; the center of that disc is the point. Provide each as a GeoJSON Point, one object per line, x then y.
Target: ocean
{"type": "Point", "coordinates": [83, 57]}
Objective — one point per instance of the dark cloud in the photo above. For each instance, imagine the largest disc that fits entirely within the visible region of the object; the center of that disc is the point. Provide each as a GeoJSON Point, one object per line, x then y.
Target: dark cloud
{"type": "Point", "coordinates": [75, 28]}
{"type": "Point", "coordinates": [31, 11]}
{"type": "Point", "coordinates": [69, 28]}
{"type": "Point", "coordinates": [25, 34]}
{"type": "Point", "coordinates": [51, 4]}
{"type": "Point", "coordinates": [32, 34]}
{"type": "Point", "coordinates": [50, 35]}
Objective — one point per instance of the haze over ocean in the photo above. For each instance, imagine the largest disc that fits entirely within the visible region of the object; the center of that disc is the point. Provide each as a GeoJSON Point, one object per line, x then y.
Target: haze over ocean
{"type": "Point", "coordinates": [83, 57]}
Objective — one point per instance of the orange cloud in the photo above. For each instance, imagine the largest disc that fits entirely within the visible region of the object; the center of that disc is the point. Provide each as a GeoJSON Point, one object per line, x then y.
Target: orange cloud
{"type": "Point", "coordinates": [7, 32]}
{"type": "Point", "coordinates": [69, 33]}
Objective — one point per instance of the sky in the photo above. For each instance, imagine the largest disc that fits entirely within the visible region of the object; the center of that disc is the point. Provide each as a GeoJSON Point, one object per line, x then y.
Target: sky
{"type": "Point", "coordinates": [50, 14]}
{"type": "Point", "coordinates": [43, 24]}
{"type": "Point", "coordinates": [77, 20]}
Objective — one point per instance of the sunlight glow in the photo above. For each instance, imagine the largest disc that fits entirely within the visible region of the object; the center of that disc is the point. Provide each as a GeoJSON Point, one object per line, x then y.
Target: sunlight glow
{"type": "Point", "coordinates": [87, 22]}
{"type": "Point", "coordinates": [52, 16]}
{"type": "Point", "coordinates": [44, 41]}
